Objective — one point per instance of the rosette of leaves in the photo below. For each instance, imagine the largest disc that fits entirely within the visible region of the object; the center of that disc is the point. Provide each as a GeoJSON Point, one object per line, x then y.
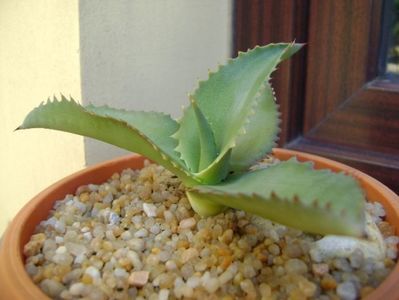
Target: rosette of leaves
{"type": "Point", "coordinates": [232, 121]}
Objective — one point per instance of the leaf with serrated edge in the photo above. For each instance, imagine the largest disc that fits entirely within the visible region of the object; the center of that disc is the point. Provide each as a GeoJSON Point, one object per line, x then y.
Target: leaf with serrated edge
{"type": "Point", "coordinates": [228, 98]}
{"type": "Point", "coordinates": [71, 117]}
{"type": "Point", "coordinates": [260, 134]}
{"type": "Point", "coordinates": [207, 142]}
{"type": "Point", "coordinates": [294, 194]}
{"type": "Point", "coordinates": [158, 127]}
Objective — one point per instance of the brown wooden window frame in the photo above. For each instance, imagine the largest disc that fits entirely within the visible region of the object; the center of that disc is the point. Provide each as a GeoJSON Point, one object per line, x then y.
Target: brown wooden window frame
{"type": "Point", "coordinates": [333, 101]}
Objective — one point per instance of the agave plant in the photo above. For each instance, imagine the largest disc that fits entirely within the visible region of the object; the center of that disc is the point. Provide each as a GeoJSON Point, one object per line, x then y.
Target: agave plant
{"type": "Point", "coordinates": [232, 122]}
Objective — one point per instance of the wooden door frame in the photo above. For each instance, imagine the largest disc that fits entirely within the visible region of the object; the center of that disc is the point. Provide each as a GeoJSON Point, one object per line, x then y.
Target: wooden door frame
{"type": "Point", "coordinates": [332, 100]}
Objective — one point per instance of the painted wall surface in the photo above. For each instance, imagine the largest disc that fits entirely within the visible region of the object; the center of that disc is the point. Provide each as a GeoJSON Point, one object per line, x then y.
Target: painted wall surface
{"type": "Point", "coordinates": [144, 55]}
{"type": "Point", "coordinates": [148, 55]}
{"type": "Point", "coordinates": [39, 56]}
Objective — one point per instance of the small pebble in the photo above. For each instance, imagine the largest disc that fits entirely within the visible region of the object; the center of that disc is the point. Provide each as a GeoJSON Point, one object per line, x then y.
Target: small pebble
{"type": "Point", "coordinates": [187, 223]}
{"type": "Point", "coordinates": [211, 285]}
{"type": "Point", "coordinates": [119, 272]}
{"type": "Point", "coordinates": [189, 254]}
{"type": "Point", "coordinates": [51, 287]}
{"type": "Point", "coordinates": [136, 237]}
{"type": "Point", "coordinates": [170, 265]}
{"type": "Point", "coordinates": [77, 289]}
{"type": "Point", "coordinates": [320, 269]}
{"type": "Point", "coordinates": [93, 272]}
{"type": "Point", "coordinates": [141, 233]}
{"type": "Point", "coordinates": [139, 278]}
{"type": "Point", "coordinates": [347, 291]}
{"type": "Point", "coordinates": [163, 294]}
{"type": "Point", "coordinates": [248, 287]}
{"type": "Point", "coordinates": [296, 266]}
{"type": "Point", "coordinates": [150, 209]}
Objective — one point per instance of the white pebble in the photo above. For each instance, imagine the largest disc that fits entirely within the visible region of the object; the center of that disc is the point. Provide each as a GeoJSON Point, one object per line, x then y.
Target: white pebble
{"type": "Point", "coordinates": [108, 198]}
{"type": "Point", "coordinates": [126, 235]}
{"type": "Point", "coordinates": [76, 249]}
{"type": "Point", "coordinates": [392, 253]}
{"type": "Point", "coordinates": [59, 239]}
{"type": "Point", "coordinates": [184, 291]}
{"type": "Point", "coordinates": [93, 272]}
{"type": "Point", "coordinates": [248, 287]}
{"type": "Point", "coordinates": [155, 229]}
{"type": "Point", "coordinates": [137, 220]}
{"type": "Point", "coordinates": [392, 240]}
{"type": "Point", "coordinates": [136, 244]}
{"type": "Point", "coordinates": [79, 259]}
{"type": "Point", "coordinates": [141, 233]}
{"type": "Point", "coordinates": [77, 289]}
{"type": "Point", "coordinates": [228, 275]}
{"type": "Point", "coordinates": [187, 271]}
{"type": "Point", "coordinates": [347, 291]}
{"type": "Point", "coordinates": [163, 256]}
{"type": "Point", "coordinates": [93, 187]}
{"type": "Point", "coordinates": [98, 231]}
{"type": "Point", "coordinates": [248, 271]}
{"type": "Point", "coordinates": [178, 282]}
{"type": "Point", "coordinates": [168, 215]}
{"type": "Point", "coordinates": [135, 259]}
{"type": "Point", "coordinates": [62, 259]}
{"type": "Point", "coordinates": [356, 259]}
{"type": "Point", "coordinates": [163, 294]}
{"type": "Point", "coordinates": [119, 272]}
{"type": "Point", "coordinates": [59, 226]}
{"type": "Point", "coordinates": [189, 254]}
{"type": "Point", "coordinates": [87, 236]}
{"type": "Point", "coordinates": [80, 206]}
{"type": "Point", "coordinates": [170, 265]}
{"type": "Point", "coordinates": [31, 269]}
{"type": "Point", "coordinates": [193, 282]}
{"type": "Point", "coordinates": [150, 209]}
{"type": "Point", "coordinates": [51, 287]}
{"type": "Point", "coordinates": [187, 223]}
{"type": "Point", "coordinates": [114, 218]}
{"type": "Point", "coordinates": [211, 285]}
{"type": "Point", "coordinates": [85, 229]}
{"type": "Point", "coordinates": [61, 250]}
{"type": "Point", "coordinates": [50, 222]}
{"type": "Point", "coordinates": [76, 225]}
{"type": "Point", "coordinates": [295, 266]}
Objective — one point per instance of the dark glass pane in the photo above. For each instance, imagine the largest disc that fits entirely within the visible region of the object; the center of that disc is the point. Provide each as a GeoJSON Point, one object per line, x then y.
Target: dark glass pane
{"type": "Point", "coordinates": [391, 16]}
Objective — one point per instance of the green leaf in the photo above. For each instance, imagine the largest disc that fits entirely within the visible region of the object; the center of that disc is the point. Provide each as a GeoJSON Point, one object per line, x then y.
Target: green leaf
{"type": "Point", "coordinates": [294, 194]}
{"type": "Point", "coordinates": [207, 142]}
{"type": "Point", "coordinates": [130, 131]}
{"type": "Point", "coordinates": [260, 134]}
{"type": "Point", "coordinates": [203, 206]}
{"type": "Point", "coordinates": [158, 127]}
{"type": "Point", "coordinates": [228, 100]}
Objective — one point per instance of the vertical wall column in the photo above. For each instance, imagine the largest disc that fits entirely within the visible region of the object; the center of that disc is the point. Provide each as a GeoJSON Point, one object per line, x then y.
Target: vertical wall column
{"type": "Point", "coordinates": [148, 55]}
{"type": "Point", "coordinates": [39, 57]}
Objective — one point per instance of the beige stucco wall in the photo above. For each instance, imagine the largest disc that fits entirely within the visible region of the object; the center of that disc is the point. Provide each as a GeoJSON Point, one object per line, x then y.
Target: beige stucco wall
{"type": "Point", "coordinates": [39, 57]}
{"type": "Point", "coordinates": [135, 54]}
{"type": "Point", "coordinates": [148, 55]}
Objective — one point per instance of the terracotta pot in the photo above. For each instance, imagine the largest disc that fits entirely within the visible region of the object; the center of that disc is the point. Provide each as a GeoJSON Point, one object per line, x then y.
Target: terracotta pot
{"type": "Point", "coordinates": [15, 283]}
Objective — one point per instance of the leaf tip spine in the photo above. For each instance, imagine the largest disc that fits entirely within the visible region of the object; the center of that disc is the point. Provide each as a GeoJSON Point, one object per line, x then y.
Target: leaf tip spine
{"type": "Point", "coordinates": [315, 203]}
{"type": "Point", "coordinates": [328, 206]}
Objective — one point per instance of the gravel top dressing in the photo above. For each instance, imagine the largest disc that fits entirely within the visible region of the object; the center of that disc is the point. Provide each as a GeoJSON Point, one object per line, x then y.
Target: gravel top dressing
{"type": "Point", "coordinates": [136, 237]}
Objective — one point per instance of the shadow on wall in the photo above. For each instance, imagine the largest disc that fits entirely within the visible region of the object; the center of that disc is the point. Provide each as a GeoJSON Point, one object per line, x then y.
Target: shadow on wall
{"type": "Point", "coordinates": [148, 55]}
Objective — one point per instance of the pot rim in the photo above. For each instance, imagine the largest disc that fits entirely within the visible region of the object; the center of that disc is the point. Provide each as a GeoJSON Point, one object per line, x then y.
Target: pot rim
{"type": "Point", "coordinates": [15, 283]}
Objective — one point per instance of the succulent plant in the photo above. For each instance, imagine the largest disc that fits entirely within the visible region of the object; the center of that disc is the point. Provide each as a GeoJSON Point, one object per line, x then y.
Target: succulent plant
{"type": "Point", "coordinates": [231, 123]}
